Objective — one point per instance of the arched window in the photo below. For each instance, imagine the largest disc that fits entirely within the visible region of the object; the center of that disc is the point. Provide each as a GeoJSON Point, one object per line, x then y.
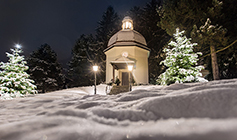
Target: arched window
{"type": "Point", "coordinates": [127, 23]}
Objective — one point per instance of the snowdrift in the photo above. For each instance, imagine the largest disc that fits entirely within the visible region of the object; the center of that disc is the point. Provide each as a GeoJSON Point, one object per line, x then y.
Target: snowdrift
{"type": "Point", "coordinates": [194, 111]}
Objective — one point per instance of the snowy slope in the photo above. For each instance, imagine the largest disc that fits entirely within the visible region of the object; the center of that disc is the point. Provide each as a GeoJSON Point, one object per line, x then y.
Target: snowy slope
{"type": "Point", "coordinates": [197, 111]}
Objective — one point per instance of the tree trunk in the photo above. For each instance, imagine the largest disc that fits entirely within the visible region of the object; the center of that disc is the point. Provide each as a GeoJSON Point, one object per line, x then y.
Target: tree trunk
{"type": "Point", "coordinates": [215, 69]}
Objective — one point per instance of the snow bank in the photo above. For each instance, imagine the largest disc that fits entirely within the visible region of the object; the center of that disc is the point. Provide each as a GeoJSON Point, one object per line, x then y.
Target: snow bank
{"type": "Point", "coordinates": [196, 111]}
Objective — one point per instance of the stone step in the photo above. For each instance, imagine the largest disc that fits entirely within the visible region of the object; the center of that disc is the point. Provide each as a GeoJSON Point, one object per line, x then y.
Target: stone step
{"type": "Point", "coordinates": [118, 89]}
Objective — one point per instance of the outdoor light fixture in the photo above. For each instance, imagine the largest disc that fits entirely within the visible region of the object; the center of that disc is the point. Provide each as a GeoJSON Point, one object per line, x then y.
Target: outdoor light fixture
{"type": "Point", "coordinates": [18, 46]}
{"type": "Point", "coordinates": [95, 69]}
{"type": "Point", "coordinates": [130, 68]}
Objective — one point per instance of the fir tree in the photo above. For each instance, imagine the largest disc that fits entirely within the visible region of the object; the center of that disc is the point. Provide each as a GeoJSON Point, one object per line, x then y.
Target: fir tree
{"type": "Point", "coordinates": [107, 27]}
{"type": "Point", "coordinates": [83, 54]}
{"type": "Point", "coordinates": [213, 36]}
{"type": "Point", "coordinates": [184, 14]}
{"type": "Point", "coordinates": [14, 81]}
{"type": "Point", "coordinates": [45, 69]}
{"type": "Point", "coordinates": [181, 61]}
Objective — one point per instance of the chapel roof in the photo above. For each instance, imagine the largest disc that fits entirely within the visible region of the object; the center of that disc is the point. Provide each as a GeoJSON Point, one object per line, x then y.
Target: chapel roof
{"type": "Point", "coordinates": [127, 36]}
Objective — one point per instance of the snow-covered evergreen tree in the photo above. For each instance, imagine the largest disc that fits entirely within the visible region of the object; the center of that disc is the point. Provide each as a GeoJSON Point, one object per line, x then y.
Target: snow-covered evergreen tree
{"type": "Point", "coordinates": [45, 69]}
{"type": "Point", "coordinates": [181, 62]}
{"type": "Point", "coordinates": [14, 81]}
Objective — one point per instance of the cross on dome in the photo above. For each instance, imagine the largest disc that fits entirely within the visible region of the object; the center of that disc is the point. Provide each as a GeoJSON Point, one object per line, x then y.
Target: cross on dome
{"type": "Point", "coordinates": [127, 23]}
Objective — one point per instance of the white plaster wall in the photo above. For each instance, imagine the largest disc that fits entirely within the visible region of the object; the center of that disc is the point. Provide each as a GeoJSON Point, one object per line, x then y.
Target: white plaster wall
{"type": "Point", "coordinates": [141, 68]}
{"type": "Point", "coordinates": [141, 71]}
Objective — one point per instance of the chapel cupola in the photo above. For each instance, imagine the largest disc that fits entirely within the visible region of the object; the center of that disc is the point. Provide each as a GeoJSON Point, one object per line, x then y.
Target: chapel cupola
{"type": "Point", "coordinates": [127, 36]}
{"type": "Point", "coordinates": [127, 23]}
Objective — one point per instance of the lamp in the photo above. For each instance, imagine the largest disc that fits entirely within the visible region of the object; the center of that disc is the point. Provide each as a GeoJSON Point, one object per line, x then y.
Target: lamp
{"type": "Point", "coordinates": [95, 69]}
{"type": "Point", "coordinates": [18, 46]}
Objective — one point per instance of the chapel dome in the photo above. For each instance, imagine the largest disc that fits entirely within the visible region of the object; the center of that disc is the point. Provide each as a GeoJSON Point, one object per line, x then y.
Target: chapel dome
{"type": "Point", "coordinates": [127, 36]}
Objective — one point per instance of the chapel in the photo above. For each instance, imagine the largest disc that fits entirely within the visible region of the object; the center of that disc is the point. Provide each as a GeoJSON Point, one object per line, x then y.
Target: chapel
{"type": "Point", "coordinates": [127, 56]}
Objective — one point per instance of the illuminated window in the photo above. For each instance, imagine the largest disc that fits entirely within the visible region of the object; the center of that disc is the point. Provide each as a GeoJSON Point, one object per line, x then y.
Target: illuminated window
{"type": "Point", "coordinates": [127, 23]}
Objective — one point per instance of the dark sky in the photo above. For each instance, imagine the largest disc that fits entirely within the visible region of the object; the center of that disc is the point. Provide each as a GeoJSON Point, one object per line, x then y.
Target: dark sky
{"type": "Point", "coordinates": [58, 23]}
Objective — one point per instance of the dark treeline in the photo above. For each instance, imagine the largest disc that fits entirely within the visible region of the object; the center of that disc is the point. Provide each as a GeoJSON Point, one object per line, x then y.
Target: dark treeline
{"type": "Point", "coordinates": [210, 23]}
{"type": "Point", "coordinates": [88, 51]}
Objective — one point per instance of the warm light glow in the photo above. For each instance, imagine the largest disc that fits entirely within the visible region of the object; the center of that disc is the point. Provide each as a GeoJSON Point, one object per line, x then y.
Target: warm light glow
{"type": "Point", "coordinates": [18, 46]}
{"type": "Point", "coordinates": [127, 25]}
{"type": "Point", "coordinates": [95, 68]}
{"type": "Point", "coordinates": [130, 67]}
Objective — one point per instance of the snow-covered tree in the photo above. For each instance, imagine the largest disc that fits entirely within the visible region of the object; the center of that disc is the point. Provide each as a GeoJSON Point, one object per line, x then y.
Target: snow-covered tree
{"type": "Point", "coordinates": [181, 62]}
{"type": "Point", "coordinates": [14, 81]}
{"type": "Point", "coordinates": [45, 69]}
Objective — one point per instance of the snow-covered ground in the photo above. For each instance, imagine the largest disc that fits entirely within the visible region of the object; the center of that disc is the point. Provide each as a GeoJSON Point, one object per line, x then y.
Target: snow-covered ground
{"type": "Point", "coordinates": [100, 89]}
{"type": "Point", "coordinates": [195, 111]}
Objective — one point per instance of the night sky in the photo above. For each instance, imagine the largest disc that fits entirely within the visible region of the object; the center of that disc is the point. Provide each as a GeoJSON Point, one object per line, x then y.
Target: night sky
{"type": "Point", "coordinates": [58, 23]}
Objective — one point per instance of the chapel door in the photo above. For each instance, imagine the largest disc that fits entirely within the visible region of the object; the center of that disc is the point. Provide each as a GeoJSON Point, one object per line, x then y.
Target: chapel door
{"type": "Point", "coordinates": [125, 80]}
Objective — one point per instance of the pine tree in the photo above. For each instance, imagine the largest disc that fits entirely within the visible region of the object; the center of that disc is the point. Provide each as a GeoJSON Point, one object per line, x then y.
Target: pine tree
{"type": "Point", "coordinates": [185, 13]}
{"type": "Point", "coordinates": [83, 55]}
{"type": "Point", "coordinates": [107, 27]}
{"type": "Point", "coordinates": [181, 61]}
{"type": "Point", "coordinates": [45, 69]}
{"type": "Point", "coordinates": [14, 81]}
{"type": "Point", "coordinates": [212, 36]}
